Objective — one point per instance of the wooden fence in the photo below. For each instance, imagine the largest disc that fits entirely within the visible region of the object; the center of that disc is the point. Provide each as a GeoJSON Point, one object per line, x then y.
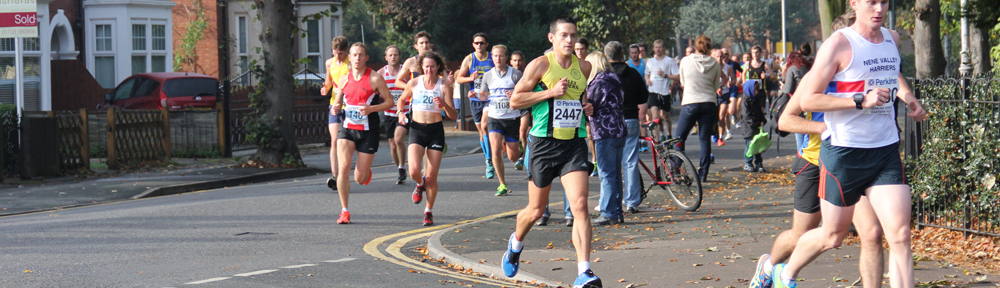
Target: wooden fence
{"type": "Point", "coordinates": [137, 135]}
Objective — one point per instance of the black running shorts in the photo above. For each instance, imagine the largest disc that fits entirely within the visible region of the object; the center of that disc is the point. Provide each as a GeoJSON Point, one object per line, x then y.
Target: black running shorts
{"type": "Point", "coordinates": [430, 136]}
{"type": "Point", "coordinates": [806, 186]}
{"type": "Point", "coordinates": [509, 128]}
{"type": "Point", "coordinates": [364, 141]}
{"type": "Point", "coordinates": [845, 173]}
{"type": "Point", "coordinates": [551, 158]}
{"type": "Point", "coordinates": [661, 101]}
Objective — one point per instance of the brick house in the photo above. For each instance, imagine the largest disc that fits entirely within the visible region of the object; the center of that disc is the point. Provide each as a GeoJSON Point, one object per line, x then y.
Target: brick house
{"type": "Point", "coordinates": [95, 44]}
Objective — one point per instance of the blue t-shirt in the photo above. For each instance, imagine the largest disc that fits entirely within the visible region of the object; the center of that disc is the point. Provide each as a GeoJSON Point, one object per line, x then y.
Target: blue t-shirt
{"type": "Point", "coordinates": [641, 67]}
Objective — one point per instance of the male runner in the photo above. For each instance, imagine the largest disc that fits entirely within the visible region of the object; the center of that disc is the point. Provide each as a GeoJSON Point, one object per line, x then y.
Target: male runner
{"type": "Point", "coordinates": [557, 145]}
{"type": "Point", "coordinates": [504, 122]}
{"type": "Point", "coordinates": [642, 49]}
{"type": "Point", "coordinates": [361, 123]}
{"type": "Point", "coordinates": [806, 202]}
{"type": "Point", "coordinates": [336, 68]}
{"type": "Point", "coordinates": [411, 69]}
{"type": "Point", "coordinates": [392, 128]}
{"type": "Point", "coordinates": [659, 71]}
{"type": "Point", "coordinates": [517, 61]}
{"type": "Point", "coordinates": [473, 67]}
{"type": "Point", "coordinates": [635, 59]}
{"type": "Point", "coordinates": [860, 150]}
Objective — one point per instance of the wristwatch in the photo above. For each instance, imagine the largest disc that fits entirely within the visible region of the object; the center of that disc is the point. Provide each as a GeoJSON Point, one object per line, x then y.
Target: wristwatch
{"type": "Point", "coordinates": [858, 98]}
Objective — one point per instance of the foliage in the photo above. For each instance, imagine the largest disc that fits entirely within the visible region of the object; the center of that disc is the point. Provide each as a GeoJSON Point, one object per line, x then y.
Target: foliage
{"type": "Point", "coordinates": [356, 17]}
{"type": "Point", "coordinates": [197, 153]}
{"type": "Point", "coordinates": [954, 178]}
{"type": "Point", "coordinates": [98, 150]}
{"type": "Point", "coordinates": [7, 108]}
{"type": "Point", "coordinates": [635, 21]}
{"type": "Point", "coordinates": [195, 31]}
{"type": "Point", "coordinates": [744, 22]}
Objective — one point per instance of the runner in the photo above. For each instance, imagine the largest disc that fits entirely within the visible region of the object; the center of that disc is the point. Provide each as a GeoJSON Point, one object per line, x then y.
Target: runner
{"type": "Point", "coordinates": [659, 71]}
{"type": "Point", "coordinates": [859, 154]}
{"type": "Point", "coordinates": [581, 48]}
{"type": "Point", "coordinates": [429, 95]}
{"type": "Point", "coordinates": [723, 98]}
{"type": "Point", "coordinates": [734, 107]}
{"type": "Point", "coordinates": [358, 97]}
{"type": "Point", "coordinates": [735, 88]}
{"type": "Point", "coordinates": [557, 144]}
{"type": "Point", "coordinates": [336, 68]}
{"type": "Point", "coordinates": [411, 68]}
{"type": "Point", "coordinates": [472, 70]}
{"type": "Point", "coordinates": [518, 62]}
{"type": "Point", "coordinates": [504, 123]}
{"type": "Point", "coordinates": [642, 49]}
{"type": "Point", "coordinates": [393, 131]}
{"type": "Point", "coordinates": [635, 59]}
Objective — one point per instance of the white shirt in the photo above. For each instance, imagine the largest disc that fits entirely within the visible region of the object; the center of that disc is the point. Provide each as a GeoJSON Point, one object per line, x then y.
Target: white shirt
{"type": "Point", "coordinates": [661, 85]}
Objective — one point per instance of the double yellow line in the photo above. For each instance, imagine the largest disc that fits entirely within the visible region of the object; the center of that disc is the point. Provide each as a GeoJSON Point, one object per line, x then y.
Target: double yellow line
{"type": "Point", "coordinates": [395, 250]}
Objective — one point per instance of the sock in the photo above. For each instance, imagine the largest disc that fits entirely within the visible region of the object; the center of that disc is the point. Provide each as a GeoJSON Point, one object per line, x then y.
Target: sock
{"type": "Point", "coordinates": [344, 210]}
{"type": "Point", "coordinates": [788, 280]}
{"type": "Point", "coordinates": [486, 147]}
{"type": "Point", "coordinates": [768, 268]}
{"type": "Point", "coordinates": [515, 245]}
{"type": "Point", "coordinates": [427, 210]}
{"type": "Point", "coordinates": [400, 167]}
{"type": "Point", "coordinates": [582, 267]}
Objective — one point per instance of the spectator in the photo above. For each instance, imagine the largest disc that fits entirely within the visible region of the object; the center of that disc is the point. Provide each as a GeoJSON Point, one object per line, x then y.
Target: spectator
{"type": "Point", "coordinates": [607, 124]}
{"type": "Point", "coordinates": [700, 77]}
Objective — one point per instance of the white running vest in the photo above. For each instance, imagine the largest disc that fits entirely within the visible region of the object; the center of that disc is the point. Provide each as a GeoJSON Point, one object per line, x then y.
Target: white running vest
{"type": "Point", "coordinates": [872, 66]}
{"type": "Point", "coordinates": [423, 99]}
{"type": "Point", "coordinates": [499, 102]}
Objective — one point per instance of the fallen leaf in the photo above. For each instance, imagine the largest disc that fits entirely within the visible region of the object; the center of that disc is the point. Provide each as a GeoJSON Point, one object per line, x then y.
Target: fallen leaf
{"type": "Point", "coordinates": [621, 280]}
{"type": "Point", "coordinates": [712, 249]}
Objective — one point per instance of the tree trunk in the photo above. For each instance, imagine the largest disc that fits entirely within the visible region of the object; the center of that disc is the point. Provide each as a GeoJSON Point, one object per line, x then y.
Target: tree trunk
{"type": "Point", "coordinates": [979, 40]}
{"type": "Point", "coordinates": [610, 13]}
{"type": "Point", "coordinates": [829, 10]}
{"type": "Point", "coordinates": [277, 18]}
{"type": "Point", "coordinates": [929, 56]}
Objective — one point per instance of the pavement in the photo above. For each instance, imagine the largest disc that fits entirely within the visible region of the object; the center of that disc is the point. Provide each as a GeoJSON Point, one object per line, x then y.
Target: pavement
{"type": "Point", "coordinates": [660, 246]}
{"type": "Point", "coordinates": [180, 175]}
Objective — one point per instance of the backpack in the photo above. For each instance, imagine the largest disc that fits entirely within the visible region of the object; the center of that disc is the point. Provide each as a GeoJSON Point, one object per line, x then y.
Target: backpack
{"type": "Point", "coordinates": [778, 107]}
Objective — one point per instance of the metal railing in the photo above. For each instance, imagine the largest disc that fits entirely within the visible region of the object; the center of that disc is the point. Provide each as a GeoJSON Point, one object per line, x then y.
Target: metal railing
{"type": "Point", "coordinates": [952, 156]}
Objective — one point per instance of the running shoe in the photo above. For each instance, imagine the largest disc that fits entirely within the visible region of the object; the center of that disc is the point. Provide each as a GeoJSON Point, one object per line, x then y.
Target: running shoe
{"type": "Point", "coordinates": [544, 221]}
{"type": "Point", "coordinates": [715, 139]}
{"type": "Point", "coordinates": [594, 172]}
{"type": "Point", "coordinates": [748, 168]}
{"type": "Point", "coordinates": [370, 175]}
{"type": "Point", "coordinates": [587, 280]}
{"type": "Point", "coordinates": [428, 219]}
{"type": "Point", "coordinates": [418, 194]}
{"type": "Point", "coordinates": [402, 177]}
{"type": "Point", "coordinates": [738, 125]}
{"type": "Point", "coordinates": [331, 183]}
{"type": "Point", "coordinates": [663, 138]}
{"type": "Point", "coordinates": [778, 269]}
{"type": "Point", "coordinates": [502, 190]}
{"type": "Point", "coordinates": [643, 148]}
{"type": "Point", "coordinates": [760, 278]}
{"type": "Point", "coordinates": [490, 171]}
{"type": "Point", "coordinates": [511, 259]}
{"type": "Point", "coordinates": [519, 165]}
{"type": "Point", "coordinates": [760, 169]}
{"type": "Point", "coordinates": [694, 131]}
{"type": "Point", "coordinates": [720, 142]}
{"type": "Point", "coordinates": [729, 135]}
{"type": "Point", "coordinates": [345, 218]}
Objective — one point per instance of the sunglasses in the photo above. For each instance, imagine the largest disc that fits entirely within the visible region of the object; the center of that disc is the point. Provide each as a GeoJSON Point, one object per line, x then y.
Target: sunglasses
{"type": "Point", "coordinates": [478, 43]}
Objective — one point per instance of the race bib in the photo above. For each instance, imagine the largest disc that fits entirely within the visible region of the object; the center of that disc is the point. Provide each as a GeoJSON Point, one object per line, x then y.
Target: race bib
{"type": "Point", "coordinates": [567, 113]}
{"type": "Point", "coordinates": [425, 103]}
{"type": "Point", "coordinates": [500, 105]}
{"type": "Point", "coordinates": [395, 95]}
{"type": "Point", "coordinates": [889, 83]}
{"type": "Point", "coordinates": [352, 115]}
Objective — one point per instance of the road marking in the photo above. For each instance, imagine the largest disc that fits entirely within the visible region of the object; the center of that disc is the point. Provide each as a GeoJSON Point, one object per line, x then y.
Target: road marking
{"type": "Point", "coordinates": [208, 280]}
{"type": "Point", "coordinates": [255, 273]}
{"type": "Point", "coordinates": [372, 249]}
{"type": "Point", "coordinates": [297, 266]}
{"type": "Point", "coordinates": [341, 260]}
{"type": "Point", "coordinates": [395, 248]}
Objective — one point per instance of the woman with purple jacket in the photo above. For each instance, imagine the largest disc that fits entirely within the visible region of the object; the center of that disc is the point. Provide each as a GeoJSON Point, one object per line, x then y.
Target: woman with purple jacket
{"type": "Point", "coordinates": [604, 91]}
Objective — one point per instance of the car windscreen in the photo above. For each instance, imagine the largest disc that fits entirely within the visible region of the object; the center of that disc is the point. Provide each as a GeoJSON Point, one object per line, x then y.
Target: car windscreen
{"type": "Point", "coordinates": [190, 87]}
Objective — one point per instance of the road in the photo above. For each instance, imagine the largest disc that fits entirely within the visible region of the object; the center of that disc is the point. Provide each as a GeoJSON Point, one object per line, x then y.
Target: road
{"type": "Point", "coordinates": [280, 234]}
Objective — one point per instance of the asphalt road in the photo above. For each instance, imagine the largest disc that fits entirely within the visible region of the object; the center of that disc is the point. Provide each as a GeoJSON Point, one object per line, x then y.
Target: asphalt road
{"type": "Point", "coordinates": [280, 234]}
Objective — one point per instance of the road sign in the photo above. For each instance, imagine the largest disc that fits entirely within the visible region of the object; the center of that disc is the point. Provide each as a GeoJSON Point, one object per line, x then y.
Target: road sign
{"type": "Point", "coordinates": [18, 18]}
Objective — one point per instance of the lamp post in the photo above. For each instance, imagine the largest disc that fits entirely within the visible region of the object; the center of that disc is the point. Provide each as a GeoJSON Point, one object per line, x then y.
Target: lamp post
{"type": "Point", "coordinates": [966, 68]}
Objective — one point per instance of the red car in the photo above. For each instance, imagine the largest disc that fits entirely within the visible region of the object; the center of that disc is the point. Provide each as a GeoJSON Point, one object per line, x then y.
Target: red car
{"type": "Point", "coordinates": [177, 90]}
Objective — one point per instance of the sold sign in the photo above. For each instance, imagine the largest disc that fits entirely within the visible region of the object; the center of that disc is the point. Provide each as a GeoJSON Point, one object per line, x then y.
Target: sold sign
{"type": "Point", "coordinates": [18, 18]}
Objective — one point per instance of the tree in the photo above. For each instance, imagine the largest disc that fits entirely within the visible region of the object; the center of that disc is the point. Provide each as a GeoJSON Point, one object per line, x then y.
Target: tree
{"type": "Point", "coordinates": [625, 21]}
{"type": "Point", "coordinates": [984, 25]}
{"type": "Point", "coordinates": [829, 10]}
{"type": "Point", "coordinates": [273, 132]}
{"type": "Point", "coordinates": [744, 22]}
{"type": "Point", "coordinates": [930, 61]}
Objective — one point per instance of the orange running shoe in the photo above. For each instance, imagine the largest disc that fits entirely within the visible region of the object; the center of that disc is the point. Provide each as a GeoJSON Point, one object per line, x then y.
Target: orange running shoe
{"type": "Point", "coordinates": [345, 218]}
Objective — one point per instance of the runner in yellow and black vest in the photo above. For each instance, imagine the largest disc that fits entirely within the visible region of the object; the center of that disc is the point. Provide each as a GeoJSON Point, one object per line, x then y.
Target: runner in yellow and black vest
{"type": "Point", "coordinates": [557, 145]}
{"type": "Point", "coordinates": [336, 67]}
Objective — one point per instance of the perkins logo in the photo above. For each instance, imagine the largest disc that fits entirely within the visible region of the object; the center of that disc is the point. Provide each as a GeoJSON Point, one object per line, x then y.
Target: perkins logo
{"type": "Point", "coordinates": [882, 82]}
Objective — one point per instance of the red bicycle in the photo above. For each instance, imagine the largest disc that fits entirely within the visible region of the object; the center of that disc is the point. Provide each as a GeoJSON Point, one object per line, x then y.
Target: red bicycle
{"type": "Point", "coordinates": [672, 171]}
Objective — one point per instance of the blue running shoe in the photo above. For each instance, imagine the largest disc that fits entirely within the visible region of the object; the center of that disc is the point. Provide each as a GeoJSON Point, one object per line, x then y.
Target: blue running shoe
{"type": "Point", "coordinates": [519, 165]}
{"type": "Point", "coordinates": [587, 280]}
{"type": "Point", "coordinates": [760, 279]}
{"type": "Point", "coordinates": [511, 259]}
{"type": "Point", "coordinates": [490, 171]}
{"type": "Point", "coordinates": [780, 284]}
{"type": "Point", "coordinates": [643, 148]}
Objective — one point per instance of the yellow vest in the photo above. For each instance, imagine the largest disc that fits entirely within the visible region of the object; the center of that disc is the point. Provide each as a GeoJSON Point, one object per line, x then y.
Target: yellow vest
{"type": "Point", "coordinates": [336, 72]}
{"type": "Point", "coordinates": [547, 116]}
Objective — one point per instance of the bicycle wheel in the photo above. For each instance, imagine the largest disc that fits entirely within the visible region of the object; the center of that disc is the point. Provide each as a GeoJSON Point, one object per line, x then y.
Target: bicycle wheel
{"type": "Point", "coordinates": [685, 187]}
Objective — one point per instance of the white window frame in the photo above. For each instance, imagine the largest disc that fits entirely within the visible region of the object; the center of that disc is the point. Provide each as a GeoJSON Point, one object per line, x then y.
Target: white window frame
{"type": "Point", "coordinates": [112, 53]}
{"type": "Point", "coordinates": [150, 50]}
{"type": "Point", "coordinates": [319, 41]}
{"type": "Point", "coordinates": [146, 42]}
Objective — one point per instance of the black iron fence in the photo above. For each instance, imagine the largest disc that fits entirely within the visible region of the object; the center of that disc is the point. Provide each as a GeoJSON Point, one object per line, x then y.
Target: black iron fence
{"type": "Point", "coordinates": [952, 156]}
